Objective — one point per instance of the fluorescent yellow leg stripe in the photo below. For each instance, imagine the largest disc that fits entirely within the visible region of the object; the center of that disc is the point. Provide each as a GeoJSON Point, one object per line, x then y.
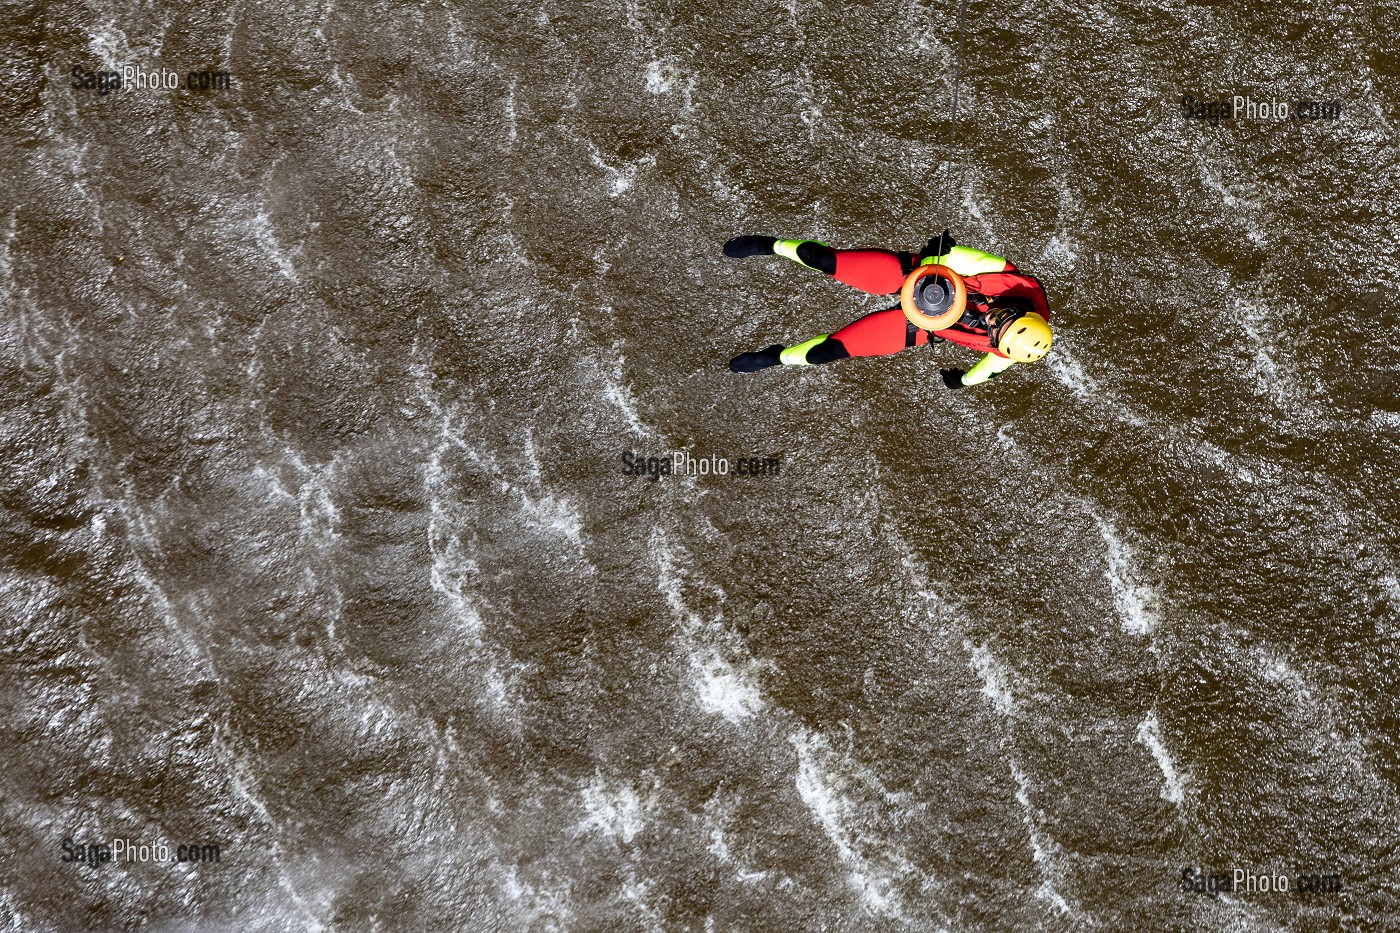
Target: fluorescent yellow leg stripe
{"type": "Point", "coordinates": [797, 356]}
{"type": "Point", "coordinates": [987, 367]}
{"type": "Point", "coordinates": [967, 261]}
{"type": "Point", "coordinates": [788, 248]}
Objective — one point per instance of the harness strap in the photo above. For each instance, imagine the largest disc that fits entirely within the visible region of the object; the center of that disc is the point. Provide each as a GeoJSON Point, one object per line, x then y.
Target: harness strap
{"type": "Point", "coordinates": [972, 319]}
{"type": "Point", "coordinates": [911, 334]}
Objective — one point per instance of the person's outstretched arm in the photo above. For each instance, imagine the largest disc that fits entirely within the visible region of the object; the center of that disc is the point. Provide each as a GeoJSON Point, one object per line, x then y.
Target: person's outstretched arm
{"type": "Point", "coordinates": [987, 367]}
{"type": "Point", "coordinates": [963, 260]}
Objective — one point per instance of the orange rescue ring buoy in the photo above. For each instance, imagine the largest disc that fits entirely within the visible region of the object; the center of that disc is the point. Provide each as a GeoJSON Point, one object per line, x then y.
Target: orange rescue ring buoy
{"type": "Point", "coordinates": [947, 318]}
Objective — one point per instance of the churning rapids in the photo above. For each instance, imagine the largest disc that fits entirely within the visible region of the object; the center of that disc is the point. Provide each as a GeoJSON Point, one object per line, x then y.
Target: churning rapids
{"type": "Point", "coordinates": [334, 602]}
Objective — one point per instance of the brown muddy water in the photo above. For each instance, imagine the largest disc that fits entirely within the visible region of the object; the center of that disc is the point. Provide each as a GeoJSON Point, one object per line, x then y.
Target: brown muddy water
{"type": "Point", "coordinates": [320, 556]}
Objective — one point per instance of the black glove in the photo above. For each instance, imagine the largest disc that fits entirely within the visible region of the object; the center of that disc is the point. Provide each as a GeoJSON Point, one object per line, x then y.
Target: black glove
{"type": "Point", "coordinates": [952, 378]}
{"type": "Point", "coordinates": [939, 245]}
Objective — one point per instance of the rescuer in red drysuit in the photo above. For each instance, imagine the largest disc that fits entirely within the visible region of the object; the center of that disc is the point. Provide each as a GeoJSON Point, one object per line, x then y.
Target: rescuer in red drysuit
{"type": "Point", "coordinates": [1005, 319]}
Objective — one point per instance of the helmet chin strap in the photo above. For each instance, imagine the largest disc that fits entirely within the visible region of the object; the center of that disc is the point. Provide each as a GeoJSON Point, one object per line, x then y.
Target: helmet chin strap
{"type": "Point", "coordinates": [1000, 322]}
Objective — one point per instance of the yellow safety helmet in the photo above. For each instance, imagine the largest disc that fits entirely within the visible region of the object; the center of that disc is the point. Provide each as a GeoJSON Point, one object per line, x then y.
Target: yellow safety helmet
{"type": "Point", "coordinates": [1026, 338]}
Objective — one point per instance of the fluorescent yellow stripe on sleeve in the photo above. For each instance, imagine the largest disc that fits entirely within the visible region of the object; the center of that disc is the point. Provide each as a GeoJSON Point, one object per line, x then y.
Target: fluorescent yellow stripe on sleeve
{"type": "Point", "coordinates": [987, 367]}
{"type": "Point", "coordinates": [967, 261]}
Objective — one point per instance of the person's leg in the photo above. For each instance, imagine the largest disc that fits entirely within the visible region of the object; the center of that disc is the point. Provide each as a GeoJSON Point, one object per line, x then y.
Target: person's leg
{"type": "Point", "coordinates": [819, 349]}
{"type": "Point", "coordinates": [880, 333]}
{"type": "Point", "coordinates": [809, 253]}
{"type": "Point", "coordinates": [878, 271]}
{"type": "Point", "coordinates": [877, 334]}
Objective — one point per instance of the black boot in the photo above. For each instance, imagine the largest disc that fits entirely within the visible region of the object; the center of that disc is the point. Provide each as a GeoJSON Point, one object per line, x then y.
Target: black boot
{"type": "Point", "coordinates": [742, 247]}
{"type": "Point", "coordinates": [758, 359]}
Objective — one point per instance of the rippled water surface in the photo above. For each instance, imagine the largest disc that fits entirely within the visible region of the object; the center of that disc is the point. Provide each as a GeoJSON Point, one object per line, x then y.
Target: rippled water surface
{"type": "Point", "coordinates": [318, 545]}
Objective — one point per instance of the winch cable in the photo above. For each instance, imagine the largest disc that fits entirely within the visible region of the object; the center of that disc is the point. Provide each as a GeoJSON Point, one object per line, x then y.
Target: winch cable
{"type": "Point", "coordinates": [949, 188]}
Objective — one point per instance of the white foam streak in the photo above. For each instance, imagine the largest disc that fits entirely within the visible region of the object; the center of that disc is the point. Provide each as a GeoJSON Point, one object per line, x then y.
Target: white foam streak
{"type": "Point", "coordinates": [811, 112]}
{"type": "Point", "coordinates": [1226, 461]}
{"type": "Point", "coordinates": [726, 685]}
{"type": "Point", "coordinates": [1391, 584]}
{"type": "Point", "coordinates": [725, 690]}
{"type": "Point", "coordinates": [1267, 373]}
{"type": "Point", "coordinates": [638, 894]}
{"type": "Point", "coordinates": [616, 391]}
{"type": "Point", "coordinates": [668, 581]}
{"type": "Point", "coordinates": [535, 902]}
{"type": "Point", "coordinates": [1135, 603]}
{"type": "Point", "coordinates": [1068, 370]}
{"type": "Point", "coordinates": [266, 237]}
{"type": "Point", "coordinates": [455, 575]}
{"type": "Point", "coordinates": [612, 810]}
{"type": "Point", "coordinates": [820, 789]}
{"type": "Point", "coordinates": [512, 133]}
{"type": "Point", "coordinates": [660, 77]}
{"type": "Point", "coordinates": [7, 264]}
{"type": "Point", "coordinates": [1273, 376]}
{"type": "Point", "coordinates": [1040, 846]}
{"type": "Point", "coordinates": [1149, 735]}
{"type": "Point", "coordinates": [1058, 252]}
{"type": "Point", "coordinates": [994, 681]}
{"type": "Point", "coordinates": [1044, 850]}
{"type": "Point", "coordinates": [452, 569]}
{"type": "Point", "coordinates": [545, 510]}
{"type": "Point", "coordinates": [716, 814]}
{"type": "Point", "coordinates": [110, 45]}
{"type": "Point", "coordinates": [145, 544]}
{"type": "Point", "coordinates": [619, 179]}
